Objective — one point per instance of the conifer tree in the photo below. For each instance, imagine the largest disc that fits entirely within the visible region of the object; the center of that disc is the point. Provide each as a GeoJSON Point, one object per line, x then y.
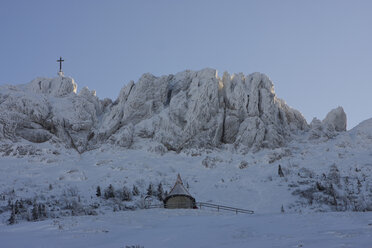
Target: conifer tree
{"type": "Point", "coordinates": [12, 219]}
{"type": "Point", "coordinates": [98, 191]}
{"type": "Point", "coordinates": [135, 190]}
{"type": "Point", "coordinates": [126, 194]}
{"type": "Point", "coordinates": [160, 192]}
{"type": "Point", "coordinates": [280, 171]}
{"type": "Point", "coordinates": [16, 209]}
{"type": "Point", "coordinates": [150, 191]}
{"type": "Point", "coordinates": [35, 212]}
{"type": "Point", "coordinates": [41, 211]}
{"type": "Point", "coordinates": [109, 192]}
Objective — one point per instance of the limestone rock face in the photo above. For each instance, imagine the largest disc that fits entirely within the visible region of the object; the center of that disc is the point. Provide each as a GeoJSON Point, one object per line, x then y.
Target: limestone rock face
{"type": "Point", "coordinates": [190, 109]}
{"type": "Point", "coordinates": [337, 119]}
{"type": "Point", "coordinates": [254, 115]}
{"type": "Point", "coordinates": [59, 86]}
{"type": "Point", "coordinates": [199, 109]}
{"type": "Point", "coordinates": [333, 123]}
{"type": "Point", "coordinates": [46, 108]}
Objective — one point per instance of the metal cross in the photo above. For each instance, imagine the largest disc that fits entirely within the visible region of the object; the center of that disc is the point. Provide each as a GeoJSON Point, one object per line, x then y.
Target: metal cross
{"type": "Point", "coordinates": [60, 63]}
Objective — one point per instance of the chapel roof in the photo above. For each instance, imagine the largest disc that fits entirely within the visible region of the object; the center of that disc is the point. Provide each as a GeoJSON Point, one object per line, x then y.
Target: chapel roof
{"type": "Point", "coordinates": [179, 188]}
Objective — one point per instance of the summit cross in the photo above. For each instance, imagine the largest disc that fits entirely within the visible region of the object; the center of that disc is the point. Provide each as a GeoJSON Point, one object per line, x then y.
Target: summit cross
{"type": "Point", "coordinates": [60, 63]}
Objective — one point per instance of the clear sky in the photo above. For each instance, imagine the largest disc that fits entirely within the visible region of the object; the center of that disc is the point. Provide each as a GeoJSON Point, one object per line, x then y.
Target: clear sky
{"type": "Point", "coordinates": [318, 53]}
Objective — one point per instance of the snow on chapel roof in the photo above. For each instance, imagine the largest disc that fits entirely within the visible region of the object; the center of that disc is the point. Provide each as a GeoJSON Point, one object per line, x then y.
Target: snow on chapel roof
{"type": "Point", "coordinates": [178, 188]}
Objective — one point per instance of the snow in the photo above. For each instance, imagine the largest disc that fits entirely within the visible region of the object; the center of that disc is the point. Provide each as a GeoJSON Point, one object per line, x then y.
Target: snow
{"type": "Point", "coordinates": [194, 228]}
{"type": "Point", "coordinates": [211, 174]}
{"type": "Point", "coordinates": [226, 137]}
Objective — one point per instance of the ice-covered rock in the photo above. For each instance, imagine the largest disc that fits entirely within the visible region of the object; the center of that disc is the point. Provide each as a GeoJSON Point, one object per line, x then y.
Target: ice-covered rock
{"type": "Point", "coordinates": [333, 123]}
{"type": "Point", "coordinates": [254, 116]}
{"type": "Point", "coordinates": [337, 119]}
{"type": "Point", "coordinates": [34, 135]}
{"type": "Point", "coordinates": [190, 109]}
{"type": "Point", "coordinates": [198, 109]}
{"type": "Point", "coordinates": [58, 86]}
{"type": "Point", "coordinates": [46, 108]}
{"type": "Point", "coordinates": [316, 129]}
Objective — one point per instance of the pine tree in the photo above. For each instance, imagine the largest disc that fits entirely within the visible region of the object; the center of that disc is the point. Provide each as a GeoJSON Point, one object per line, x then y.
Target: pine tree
{"type": "Point", "coordinates": [42, 210]}
{"type": "Point", "coordinates": [98, 191]}
{"type": "Point", "coordinates": [16, 209]}
{"type": "Point", "coordinates": [359, 186]}
{"type": "Point", "coordinates": [12, 219]}
{"type": "Point", "coordinates": [126, 195]}
{"type": "Point", "coordinates": [282, 209]}
{"type": "Point", "coordinates": [35, 212]}
{"type": "Point", "coordinates": [109, 192]}
{"type": "Point", "coordinates": [19, 206]}
{"type": "Point", "coordinates": [150, 191]}
{"type": "Point", "coordinates": [160, 192]}
{"type": "Point", "coordinates": [280, 171]}
{"type": "Point", "coordinates": [135, 190]}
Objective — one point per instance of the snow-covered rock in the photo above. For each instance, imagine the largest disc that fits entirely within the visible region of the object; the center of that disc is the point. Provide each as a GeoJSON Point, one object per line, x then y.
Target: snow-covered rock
{"type": "Point", "coordinates": [333, 123]}
{"type": "Point", "coordinates": [199, 109]}
{"type": "Point", "coordinates": [337, 119]}
{"type": "Point", "coordinates": [190, 109]}
{"type": "Point", "coordinates": [46, 108]}
{"type": "Point", "coordinates": [59, 86]}
{"type": "Point", "coordinates": [255, 116]}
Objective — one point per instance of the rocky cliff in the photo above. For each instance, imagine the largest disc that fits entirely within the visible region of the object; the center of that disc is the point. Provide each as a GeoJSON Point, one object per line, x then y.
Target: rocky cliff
{"type": "Point", "coordinates": [186, 110]}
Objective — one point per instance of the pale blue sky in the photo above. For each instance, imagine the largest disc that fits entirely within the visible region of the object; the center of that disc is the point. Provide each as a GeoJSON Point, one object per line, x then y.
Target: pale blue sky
{"type": "Point", "coordinates": [318, 53]}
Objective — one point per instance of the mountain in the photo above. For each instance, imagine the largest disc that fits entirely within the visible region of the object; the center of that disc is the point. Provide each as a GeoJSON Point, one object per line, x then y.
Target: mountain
{"type": "Point", "coordinates": [227, 137]}
{"type": "Point", "coordinates": [191, 109]}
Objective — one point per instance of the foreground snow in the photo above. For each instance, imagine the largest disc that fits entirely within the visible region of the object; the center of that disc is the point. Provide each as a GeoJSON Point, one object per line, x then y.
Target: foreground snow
{"type": "Point", "coordinates": [194, 228]}
{"type": "Point", "coordinates": [320, 174]}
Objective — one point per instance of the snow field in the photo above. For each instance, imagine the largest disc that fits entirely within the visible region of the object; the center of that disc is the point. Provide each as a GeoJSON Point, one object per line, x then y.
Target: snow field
{"type": "Point", "coordinates": [194, 228]}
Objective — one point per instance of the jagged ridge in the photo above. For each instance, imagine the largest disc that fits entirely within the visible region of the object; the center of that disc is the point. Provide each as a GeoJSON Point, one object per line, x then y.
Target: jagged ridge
{"type": "Point", "coordinates": [185, 110]}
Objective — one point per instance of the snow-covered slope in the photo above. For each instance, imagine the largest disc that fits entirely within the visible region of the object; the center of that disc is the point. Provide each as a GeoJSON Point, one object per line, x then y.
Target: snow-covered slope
{"type": "Point", "coordinates": [319, 175]}
{"type": "Point", "coordinates": [226, 137]}
{"type": "Point", "coordinates": [191, 109]}
{"type": "Point", "coordinates": [67, 154]}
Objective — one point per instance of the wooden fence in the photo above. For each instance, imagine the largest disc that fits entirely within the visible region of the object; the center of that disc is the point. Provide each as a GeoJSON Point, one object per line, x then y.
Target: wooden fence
{"type": "Point", "coordinates": [201, 205]}
{"type": "Point", "coordinates": [221, 207]}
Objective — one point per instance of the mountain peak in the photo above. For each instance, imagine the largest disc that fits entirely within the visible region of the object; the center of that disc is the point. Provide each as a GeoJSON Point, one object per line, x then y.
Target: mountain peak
{"type": "Point", "coordinates": [186, 110]}
{"type": "Point", "coordinates": [57, 87]}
